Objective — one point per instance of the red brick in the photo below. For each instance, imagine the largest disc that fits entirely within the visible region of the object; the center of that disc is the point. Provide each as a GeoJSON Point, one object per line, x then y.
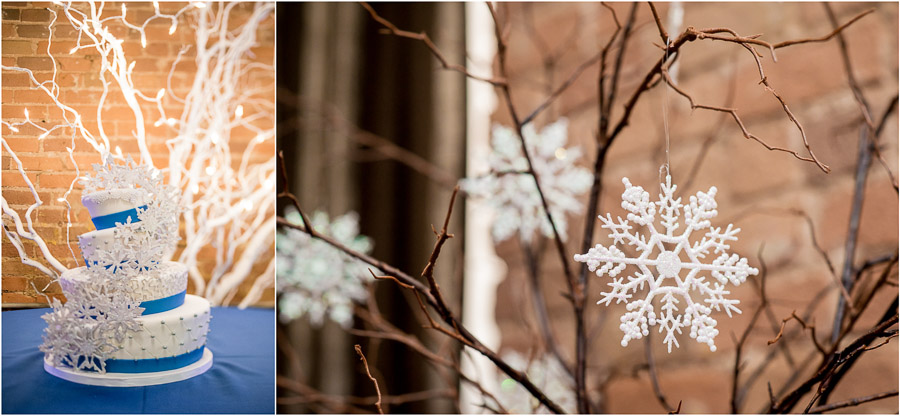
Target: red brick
{"type": "Point", "coordinates": [14, 284]}
{"type": "Point", "coordinates": [77, 64]}
{"type": "Point", "coordinates": [56, 180]}
{"type": "Point", "coordinates": [18, 197]}
{"type": "Point", "coordinates": [12, 178]}
{"type": "Point", "coordinates": [36, 15]}
{"type": "Point", "coordinates": [18, 298]}
{"type": "Point", "coordinates": [17, 47]}
{"type": "Point", "coordinates": [9, 32]}
{"type": "Point", "coordinates": [10, 14]}
{"type": "Point", "coordinates": [32, 31]}
{"type": "Point", "coordinates": [31, 96]}
{"type": "Point", "coordinates": [22, 144]}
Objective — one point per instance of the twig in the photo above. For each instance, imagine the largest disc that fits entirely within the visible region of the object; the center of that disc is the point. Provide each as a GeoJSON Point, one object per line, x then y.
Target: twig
{"type": "Point", "coordinates": [715, 132]}
{"type": "Point", "coordinates": [562, 88]}
{"type": "Point", "coordinates": [654, 380]}
{"type": "Point", "coordinates": [825, 38]}
{"type": "Point", "coordinates": [368, 373]}
{"type": "Point", "coordinates": [863, 161]}
{"type": "Point", "coordinates": [739, 344]}
{"type": "Point", "coordinates": [677, 409]}
{"type": "Point", "coordinates": [387, 399]}
{"type": "Point", "coordinates": [892, 105]}
{"type": "Point", "coordinates": [852, 402]}
{"type": "Point", "coordinates": [423, 37]}
{"type": "Point", "coordinates": [620, 58]}
{"type": "Point", "coordinates": [829, 384]}
{"type": "Point", "coordinates": [540, 309]}
{"type": "Point", "coordinates": [827, 368]}
{"type": "Point", "coordinates": [810, 327]}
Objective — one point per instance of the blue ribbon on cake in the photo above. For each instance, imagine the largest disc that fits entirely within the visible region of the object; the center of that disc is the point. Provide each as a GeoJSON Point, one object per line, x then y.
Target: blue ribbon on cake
{"type": "Point", "coordinates": [109, 221]}
{"type": "Point", "coordinates": [164, 304]}
{"type": "Point", "coordinates": [152, 365]}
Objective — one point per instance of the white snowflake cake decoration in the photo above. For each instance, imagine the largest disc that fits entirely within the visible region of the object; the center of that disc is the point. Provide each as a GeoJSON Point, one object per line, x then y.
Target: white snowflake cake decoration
{"type": "Point", "coordinates": [670, 265]}
{"type": "Point", "coordinates": [103, 308]}
{"type": "Point", "coordinates": [513, 194]}
{"type": "Point", "coordinates": [317, 280]}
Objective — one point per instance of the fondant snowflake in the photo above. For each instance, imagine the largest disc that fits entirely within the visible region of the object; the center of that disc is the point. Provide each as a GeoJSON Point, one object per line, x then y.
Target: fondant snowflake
{"type": "Point", "coordinates": [545, 372]}
{"type": "Point", "coordinates": [512, 191]}
{"type": "Point", "coordinates": [314, 278]}
{"type": "Point", "coordinates": [670, 265]}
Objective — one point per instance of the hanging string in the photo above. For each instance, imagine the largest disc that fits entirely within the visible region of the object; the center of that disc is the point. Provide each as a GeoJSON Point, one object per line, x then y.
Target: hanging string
{"type": "Point", "coordinates": [666, 111]}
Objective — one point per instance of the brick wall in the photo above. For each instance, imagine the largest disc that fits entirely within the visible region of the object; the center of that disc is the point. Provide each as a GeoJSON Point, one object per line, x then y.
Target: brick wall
{"type": "Point", "coordinates": [25, 30]}
{"type": "Point", "coordinates": [749, 178]}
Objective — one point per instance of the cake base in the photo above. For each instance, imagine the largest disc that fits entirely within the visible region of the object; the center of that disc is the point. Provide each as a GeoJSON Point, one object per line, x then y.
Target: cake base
{"type": "Point", "coordinates": [133, 379]}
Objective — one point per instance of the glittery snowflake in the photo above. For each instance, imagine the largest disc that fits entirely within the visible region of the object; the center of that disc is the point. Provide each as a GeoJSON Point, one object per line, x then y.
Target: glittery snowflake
{"type": "Point", "coordinates": [314, 278]}
{"type": "Point", "coordinates": [513, 193]}
{"type": "Point", "coordinates": [547, 374]}
{"type": "Point", "coordinates": [672, 268]}
{"type": "Point", "coordinates": [80, 334]}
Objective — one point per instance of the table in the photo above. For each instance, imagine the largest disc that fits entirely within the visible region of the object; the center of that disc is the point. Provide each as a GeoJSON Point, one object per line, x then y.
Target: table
{"type": "Point", "coordinates": [241, 380]}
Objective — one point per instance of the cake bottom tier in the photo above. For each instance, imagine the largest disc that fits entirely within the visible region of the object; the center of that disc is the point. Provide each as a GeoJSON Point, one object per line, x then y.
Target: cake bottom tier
{"type": "Point", "coordinates": [168, 346]}
{"type": "Point", "coordinates": [173, 333]}
{"type": "Point", "coordinates": [133, 379]}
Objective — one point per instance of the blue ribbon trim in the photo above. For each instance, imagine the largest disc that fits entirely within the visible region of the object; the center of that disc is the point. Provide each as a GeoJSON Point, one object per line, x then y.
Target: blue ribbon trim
{"type": "Point", "coordinates": [152, 365]}
{"type": "Point", "coordinates": [165, 304]}
{"type": "Point", "coordinates": [109, 221]}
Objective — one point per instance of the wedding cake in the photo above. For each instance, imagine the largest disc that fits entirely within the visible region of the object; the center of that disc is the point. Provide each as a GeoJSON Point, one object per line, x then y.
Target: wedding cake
{"type": "Point", "coordinates": [128, 320]}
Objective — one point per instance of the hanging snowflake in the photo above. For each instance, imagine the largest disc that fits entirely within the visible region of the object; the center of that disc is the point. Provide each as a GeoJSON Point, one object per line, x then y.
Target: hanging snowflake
{"type": "Point", "coordinates": [661, 263]}
{"type": "Point", "coordinates": [315, 278]}
{"type": "Point", "coordinates": [513, 194]}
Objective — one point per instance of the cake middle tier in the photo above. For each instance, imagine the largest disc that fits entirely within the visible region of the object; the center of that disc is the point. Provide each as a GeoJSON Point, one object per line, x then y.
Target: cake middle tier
{"type": "Point", "coordinates": [158, 289]}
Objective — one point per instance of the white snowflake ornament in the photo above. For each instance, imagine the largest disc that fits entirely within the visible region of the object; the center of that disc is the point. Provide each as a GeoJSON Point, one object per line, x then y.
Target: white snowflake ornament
{"type": "Point", "coordinates": [669, 264]}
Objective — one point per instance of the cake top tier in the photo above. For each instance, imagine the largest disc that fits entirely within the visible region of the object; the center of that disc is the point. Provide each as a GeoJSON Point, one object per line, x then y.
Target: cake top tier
{"type": "Point", "coordinates": [111, 201]}
{"type": "Point", "coordinates": [136, 216]}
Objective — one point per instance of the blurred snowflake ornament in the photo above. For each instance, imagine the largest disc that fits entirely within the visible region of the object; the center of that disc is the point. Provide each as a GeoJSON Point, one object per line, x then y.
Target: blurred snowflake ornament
{"type": "Point", "coordinates": [512, 192]}
{"type": "Point", "coordinates": [672, 272]}
{"type": "Point", "coordinates": [547, 373]}
{"type": "Point", "coordinates": [316, 279]}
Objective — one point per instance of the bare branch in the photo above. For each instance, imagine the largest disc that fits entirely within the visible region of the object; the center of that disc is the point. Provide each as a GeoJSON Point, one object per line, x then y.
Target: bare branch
{"type": "Point", "coordinates": [853, 402]}
{"type": "Point", "coordinates": [362, 357]}
{"type": "Point", "coordinates": [423, 37]}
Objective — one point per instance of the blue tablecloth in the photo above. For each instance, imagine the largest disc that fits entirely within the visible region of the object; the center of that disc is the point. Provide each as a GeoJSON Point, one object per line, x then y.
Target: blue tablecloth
{"type": "Point", "coordinates": [241, 380]}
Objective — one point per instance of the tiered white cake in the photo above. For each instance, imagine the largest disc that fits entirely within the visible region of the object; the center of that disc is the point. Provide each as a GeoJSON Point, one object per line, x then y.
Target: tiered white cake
{"type": "Point", "coordinates": [166, 342]}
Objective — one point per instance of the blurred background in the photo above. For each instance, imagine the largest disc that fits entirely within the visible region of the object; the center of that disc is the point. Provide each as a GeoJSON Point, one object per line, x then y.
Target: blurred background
{"type": "Point", "coordinates": [371, 123]}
